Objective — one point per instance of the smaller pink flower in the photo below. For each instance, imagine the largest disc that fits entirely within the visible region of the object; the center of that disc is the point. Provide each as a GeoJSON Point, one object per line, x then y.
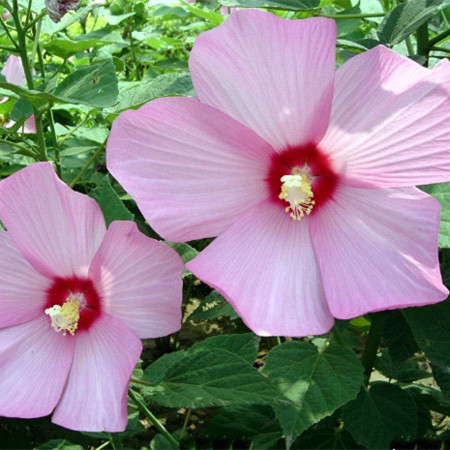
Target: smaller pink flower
{"type": "Point", "coordinates": [75, 299]}
{"type": "Point", "coordinates": [13, 72]}
{"type": "Point", "coordinates": [6, 15]}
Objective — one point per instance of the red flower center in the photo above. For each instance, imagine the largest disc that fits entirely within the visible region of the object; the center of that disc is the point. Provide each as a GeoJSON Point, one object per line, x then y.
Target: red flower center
{"type": "Point", "coordinates": [79, 290]}
{"type": "Point", "coordinates": [306, 161]}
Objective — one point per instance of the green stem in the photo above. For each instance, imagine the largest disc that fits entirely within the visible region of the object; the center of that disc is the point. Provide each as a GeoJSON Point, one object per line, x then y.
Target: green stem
{"type": "Point", "coordinates": [159, 426]}
{"type": "Point", "coordinates": [440, 37]}
{"type": "Point", "coordinates": [186, 421]}
{"type": "Point", "coordinates": [28, 13]}
{"type": "Point", "coordinates": [440, 49]}
{"type": "Point", "coordinates": [137, 381]}
{"type": "Point", "coordinates": [30, 83]}
{"type": "Point", "coordinates": [372, 342]}
{"type": "Point", "coordinates": [105, 444]}
{"type": "Point", "coordinates": [423, 45]}
{"type": "Point", "coordinates": [22, 150]}
{"type": "Point", "coordinates": [36, 19]}
{"type": "Point", "coordinates": [116, 441]}
{"type": "Point", "coordinates": [133, 54]}
{"type": "Point", "coordinates": [353, 16]}
{"type": "Point", "coordinates": [73, 130]}
{"type": "Point", "coordinates": [409, 46]}
{"type": "Point", "coordinates": [9, 49]}
{"type": "Point", "coordinates": [13, 41]}
{"type": "Point", "coordinates": [57, 155]}
{"type": "Point", "coordinates": [87, 165]}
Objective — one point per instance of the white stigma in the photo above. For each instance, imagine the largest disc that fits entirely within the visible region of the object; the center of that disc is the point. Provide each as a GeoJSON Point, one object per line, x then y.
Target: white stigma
{"type": "Point", "coordinates": [296, 190]}
{"type": "Point", "coordinates": [65, 318]}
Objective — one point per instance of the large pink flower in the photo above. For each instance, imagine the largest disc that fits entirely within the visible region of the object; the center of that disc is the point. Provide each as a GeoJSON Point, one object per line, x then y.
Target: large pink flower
{"type": "Point", "coordinates": [305, 174]}
{"type": "Point", "coordinates": [14, 74]}
{"type": "Point", "coordinates": [74, 301]}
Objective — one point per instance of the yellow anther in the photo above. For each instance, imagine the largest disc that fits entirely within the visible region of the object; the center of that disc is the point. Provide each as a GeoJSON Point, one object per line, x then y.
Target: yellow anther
{"type": "Point", "coordinates": [296, 190]}
{"type": "Point", "coordinates": [65, 318]}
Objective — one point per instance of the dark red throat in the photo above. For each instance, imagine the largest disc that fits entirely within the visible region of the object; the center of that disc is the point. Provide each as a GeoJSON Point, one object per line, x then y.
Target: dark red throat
{"type": "Point", "coordinates": [324, 178]}
{"type": "Point", "coordinates": [62, 288]}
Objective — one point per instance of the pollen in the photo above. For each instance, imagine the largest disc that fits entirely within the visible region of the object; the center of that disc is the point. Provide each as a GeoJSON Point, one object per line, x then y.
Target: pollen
{"type": "Point", "coordinates": [296, 190]}
{"type": "Point", "coordinates": [65, 318]}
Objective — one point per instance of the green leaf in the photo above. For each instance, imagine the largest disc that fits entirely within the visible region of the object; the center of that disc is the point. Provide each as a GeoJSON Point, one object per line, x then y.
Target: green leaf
{"type": "Point", "coordinates": [292, 5]}
{"type": "Point", "coordinates": [404, 371]}
{"type": "Point", "coordinates": [441, 192]}
{"type": "Point", "coordinates": [431, 329]}
{"type": "Point", "coordinates": [59, 444]}
{"type": "Point", "coordinates": [204, 378]}
{"type": "Point", "coordinates": [186, 253]}
{"type": "Point", "coordinates": [405, 18]}
{"type": "Point", "coordinates": [110, 203]}
{"type": "Point", "coordinates": [398, 337]}
{"type": "Point", "coordinates": [442, 377]}
{"type": "Point", "coordinates": [379, 415]}
{"type": "Point", "coordinates": [132, 95]}
{"type": "Point", "coordinates": [212, 307]}
{"type": "Point", "coordinates": [326, 439]}
{"type": "Point", "coordinates": [64, 47]}
{"type": "Point", "coordinates": [95, 85]}
{"type": "Point", "coordinates": [22, 109]}
{"type": "Point", "coordinates": [254, 422]}
{"type": "Point", "coordinates": [244, 345]}
{"type": "Point", "coordinates": [160, 442]}
{"type": "Point", "coordinates": [314, 383]}
{"type": "Point", "coordinates": [35, 97]}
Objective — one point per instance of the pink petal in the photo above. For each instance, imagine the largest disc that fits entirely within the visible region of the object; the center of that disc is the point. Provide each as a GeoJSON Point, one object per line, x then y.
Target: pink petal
{"type": "Point", "coordinates": [389, 122]}
{"type": "Point", "coordinates": [13, 71]}
{"type": "Point", "coordinates": [29, 125]}
{"type": "Point", "coordinates": [274, 75]}
{"type": "Point", "coordinates": [56, 229]}
{"type": "Point", "coordinates": [265, 267]}
{"type": "Point", "coordinates": [95, 397]}
{"type": "Point", "coordinates": [22, 289]}
{"type": "Point", "coordinates": [139, 280]}
{"type": "Point", "coordinates": [34, 364]}
{"type": "Point", "coordinates": [377, 249]}
{"type": "Point", "coordinates": [191, 169]}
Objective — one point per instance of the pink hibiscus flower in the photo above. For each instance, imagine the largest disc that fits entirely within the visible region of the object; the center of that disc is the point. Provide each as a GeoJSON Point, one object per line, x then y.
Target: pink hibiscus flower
{"type": "Point", "coordinates": [305, 174]}
{"type": "Point", "coordinates": [13, 72]}
{"type": "Point", "coordinates": [75, 299]}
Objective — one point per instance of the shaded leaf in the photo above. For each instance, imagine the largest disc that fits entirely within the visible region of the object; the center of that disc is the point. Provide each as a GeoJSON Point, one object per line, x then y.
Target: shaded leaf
{"type": "Point", "coordinates": [315, 383]}
{"type": "Point", "coordinates": [379, 415]}
{"type": "Point", "coordinates": [204, 378]}
{"type": "Point", "coordinates": [212, 307]}
{"type": "Point", "coordinates": [110, 203]}
{"type": "Point", "coordinates": [441, 192]}
{"type": "Point", "coordinates": [244, 345]}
